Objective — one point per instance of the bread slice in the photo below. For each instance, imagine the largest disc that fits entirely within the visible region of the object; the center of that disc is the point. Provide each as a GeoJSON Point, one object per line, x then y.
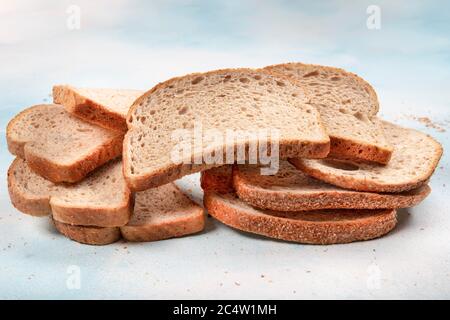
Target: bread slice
{"type": "Point", "coordinates": [88, 234]}
{"type": "Point", "coordinates": [59, 146]}
{"type": "Point", "coordinates": [310, 227]}
{"type": "Point", "coordinates": [414, 160]}
{"type": "Point", "coordinates": [102, 199]}
{"type": "Point", "coordinates": [162, 213]}
{"type": "Point", "coordinates": [292, 190]}
{"type": "Point", "coordinates": [216, 102]}
{"type": "Point", "coordinates": [348, 106]}
{"type": "Point", "coordinates": [104, 107]}
{"type": "Point", "coordinates": [219, 179]}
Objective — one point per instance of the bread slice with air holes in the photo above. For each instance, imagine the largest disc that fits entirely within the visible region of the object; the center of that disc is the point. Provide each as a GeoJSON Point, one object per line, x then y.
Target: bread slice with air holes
{"type": "Point", "coordinates": [104, 107]}
{"type": "Point", "coordinates": [92, 210]}
{"type": "Point", "coordinates": [159, 213]}
{"type": "Point", "coordinates": [102, 199]}
{"type": "Point", "coordinates": [348, 106]}
{"type": "Point", "coordinates": [416, 156]}
{"type": "Point", "coordinates": [292, 190]}
{"type": "Point", "coordinates": [59, 146]}
{"type": "Point", "coordinates": [221, 100]}
{"type": "Point", "coordinates": [309, 227]}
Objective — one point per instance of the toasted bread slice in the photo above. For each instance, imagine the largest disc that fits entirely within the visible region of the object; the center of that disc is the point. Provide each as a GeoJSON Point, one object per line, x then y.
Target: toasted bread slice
{"type": "Point", "coordinates": [310, 227]}
{"type": "Point", "coordinates": [59, 146]}
{"type": "Point", "coordinates": [104, 107]}
{"type": "Point", "coordinates": [416, 156]}
{"type": "Point", "coordinates": [348, 106]}
{"type": "Point", "coordinates": [292, 190]}
{"type": "Point", "coordinates": [219, 179]}
{"type": "Point", "coordinates": [206, 106]}
{"type": "Point", "coordinates": [102, 199]}
{"type": "Point", "coordinates": [88, 234]}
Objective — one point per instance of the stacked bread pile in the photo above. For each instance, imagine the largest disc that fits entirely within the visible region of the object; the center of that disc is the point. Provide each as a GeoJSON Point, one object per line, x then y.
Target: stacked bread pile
{"type": "Point", "coordinates": [342, 174]}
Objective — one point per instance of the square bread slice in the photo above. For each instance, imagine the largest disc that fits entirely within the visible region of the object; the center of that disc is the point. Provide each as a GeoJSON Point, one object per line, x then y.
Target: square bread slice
{"type": "Point", "coordinates": [102, 199]}
{"type": "Point", "coordinates": [159, 213]}
{"type": "Point", "coordinates": [59, 146]}
{"type": "Point", "coordinates": [292, 190]}
{"type": "Point", "coordinates": [104, 107]}
{"type": "Point", "coordinates": [348, 106]}
{"type": "Point", "coordinates": [201, 108]}
{"type": "Point", "coordinates": [416, 156]}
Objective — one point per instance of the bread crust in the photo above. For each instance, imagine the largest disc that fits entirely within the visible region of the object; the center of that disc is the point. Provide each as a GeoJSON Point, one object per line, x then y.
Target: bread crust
{"type": "Point", "coordinates": [335, 230]}
{"type": "Point", "coordinates": [335, 198]}
{"type": "Point", "coordinates": [88, 109]}
{"type": "Point", "coordinates": [341, 147]}
{"type": "Point", "coordinates": [88, 235]}
{"type": "Point", "coordinates": [57, 172]}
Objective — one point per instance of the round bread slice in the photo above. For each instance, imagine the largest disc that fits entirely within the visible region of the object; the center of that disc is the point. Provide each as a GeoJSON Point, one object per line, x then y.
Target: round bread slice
{"type": "Point", "coordinates": [415, 157]}
{"type": "Point", "coordinates": [59, 146]}
{"type": "Point", "coordinates": [104, 107]}
{"type": "Point", "coordinates": [348, 106]}
{"type": "Point", "coordinates": [292, 190]}
{"type": "Point", "coordinates": [183, 125]}
{"type": "Point", "coordinates": [101, 199]}
{"type": "Point", "coordinates": [161, 213]}
{"type": "Point", "coordinates": [88, 235]}
{"type": "Point", "coordinates": [311, 227]}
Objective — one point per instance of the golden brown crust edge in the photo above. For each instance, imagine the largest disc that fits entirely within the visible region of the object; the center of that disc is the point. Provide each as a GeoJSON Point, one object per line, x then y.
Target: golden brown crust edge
{"type": "Point", "coordinates": [328, 232]}
{"type": "Point", "coordinates": [88, 235]}
{"type": "Point", "coordinates": [87, 109]}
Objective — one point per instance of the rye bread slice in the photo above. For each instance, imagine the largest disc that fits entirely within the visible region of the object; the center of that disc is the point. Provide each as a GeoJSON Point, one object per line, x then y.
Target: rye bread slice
{"type": "Point", "coordinates": [348, 106]}
{"type": "Point", "coordinates": [415, 157]}
{"type": "Point", "coordinates": [292, 190]}
{"type": "Point", "coordinates": [101, 199]}
{"type": "Point", "coordinates": [59, 146]}
{"type": "Point", "coordinates": [309, 227]}
{"type": "Point", "coordinates": [104, 107]}
{"type": "Point", "coordinates": [233, 99]}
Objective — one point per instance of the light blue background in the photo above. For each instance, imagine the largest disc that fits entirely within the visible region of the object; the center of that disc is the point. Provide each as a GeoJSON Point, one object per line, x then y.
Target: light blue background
{"type": "Point", "coordinates": [135, 44]}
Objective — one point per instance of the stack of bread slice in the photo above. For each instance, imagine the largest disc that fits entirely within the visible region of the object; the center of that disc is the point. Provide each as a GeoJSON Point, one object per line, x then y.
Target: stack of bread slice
{"type": "Point", "coordinates": [341, 175]}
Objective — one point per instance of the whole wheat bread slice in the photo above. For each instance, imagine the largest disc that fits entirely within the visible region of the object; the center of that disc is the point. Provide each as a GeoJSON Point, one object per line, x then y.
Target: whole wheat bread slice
{"type": "Point", "coordinates": [59, 146]}
{"type": "Point", "coordinates": [233, 99]}
{"type": "Point", "coordinates": [104, 107]}
{"type": "Point", "coordinates": [159, 213]}
{"type": "Point", "coordinates": [310, 227]}
{"type": "Point", "coordinates": [415, 157]}
{"type": "Point", "coordinates": [292, 190]}
{"type": "Point", "coordinates": [101, 199]}
{"type": "Point", "coordinates": [348, 106]}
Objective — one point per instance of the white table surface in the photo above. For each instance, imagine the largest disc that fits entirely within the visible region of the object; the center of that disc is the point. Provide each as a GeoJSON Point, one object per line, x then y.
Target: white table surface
{"type": "Point", "coordinates": [406, 61]}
